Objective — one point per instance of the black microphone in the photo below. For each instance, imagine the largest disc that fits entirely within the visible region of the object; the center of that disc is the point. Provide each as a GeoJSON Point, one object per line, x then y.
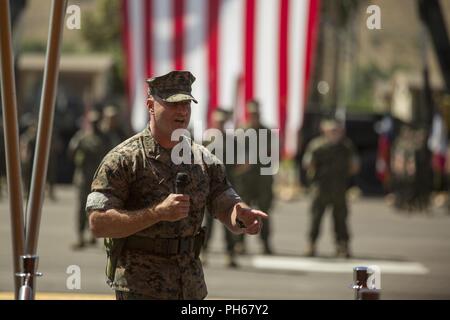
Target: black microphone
{"type": "Point", "coordinates": [181, 182]}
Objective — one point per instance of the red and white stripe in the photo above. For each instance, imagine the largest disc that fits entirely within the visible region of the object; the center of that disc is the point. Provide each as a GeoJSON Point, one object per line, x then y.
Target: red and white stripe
{"type": "Point", "coordinates": [237, 49]}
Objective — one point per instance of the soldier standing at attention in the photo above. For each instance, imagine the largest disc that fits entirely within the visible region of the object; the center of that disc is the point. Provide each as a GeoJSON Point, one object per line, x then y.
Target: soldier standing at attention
{"type": "Point", "coordinates": [27, 142]}
{"type": "Point", "coordinates": [254, 187]}
{"type": "Point", "coordinates": [330, 160]}
{"type": "Point", "coordinates": [112, 125]}
{"type": "Point", "coordinates": [87, 149]}
{"type": "Point", "coordinates": [153, 235]}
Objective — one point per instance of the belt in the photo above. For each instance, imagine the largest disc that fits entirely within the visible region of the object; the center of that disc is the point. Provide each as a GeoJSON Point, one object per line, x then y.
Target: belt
{"type": "Point", "coordinates": [166, 246]}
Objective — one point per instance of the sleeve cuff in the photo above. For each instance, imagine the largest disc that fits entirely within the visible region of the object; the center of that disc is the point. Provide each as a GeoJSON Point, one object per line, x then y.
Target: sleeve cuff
{"type": "Point", "coordinates": [225, 201]}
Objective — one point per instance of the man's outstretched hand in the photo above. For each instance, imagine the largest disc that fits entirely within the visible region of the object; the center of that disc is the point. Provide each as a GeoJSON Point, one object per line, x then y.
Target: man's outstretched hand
{"type": "Point", "coordinates": [251, 219]}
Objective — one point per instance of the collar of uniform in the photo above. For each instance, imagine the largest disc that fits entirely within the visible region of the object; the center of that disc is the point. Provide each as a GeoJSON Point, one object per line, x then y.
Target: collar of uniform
{"type": "Point", "coordinates": [153, 149]}
{"type": "Point", "coordinates": [149, 142]}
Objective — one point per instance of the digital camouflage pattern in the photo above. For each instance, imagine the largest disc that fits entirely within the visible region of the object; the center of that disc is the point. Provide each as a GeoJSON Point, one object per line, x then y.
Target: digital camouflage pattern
{"type": "Point", "coordinates": [88, 150]}
{"type": "Point", "coordinates": [174, 86]}
{"type": "Point", "coordinates": [139, 173]}
{"type": "Point", "coordinates": [221, 115]}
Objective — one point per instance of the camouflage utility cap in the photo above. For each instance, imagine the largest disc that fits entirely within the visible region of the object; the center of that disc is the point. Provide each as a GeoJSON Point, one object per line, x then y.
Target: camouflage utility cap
{"type": "Point", "coordinates": [172, 87]}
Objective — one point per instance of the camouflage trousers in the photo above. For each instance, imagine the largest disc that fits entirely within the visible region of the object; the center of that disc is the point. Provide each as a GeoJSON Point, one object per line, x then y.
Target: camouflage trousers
{"type": "Point", "coordinates": [83, 193]}
{"type": "Point", "coordinates": [230, 238]}
{"type": "Point", "coordinates": [256, 191]}
{"type": "Point", "coordinates": [339, 211]}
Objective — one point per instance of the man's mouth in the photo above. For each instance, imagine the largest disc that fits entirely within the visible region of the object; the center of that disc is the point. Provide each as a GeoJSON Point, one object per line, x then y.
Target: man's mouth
{"type": "Point", "coordinates": [179, 121]}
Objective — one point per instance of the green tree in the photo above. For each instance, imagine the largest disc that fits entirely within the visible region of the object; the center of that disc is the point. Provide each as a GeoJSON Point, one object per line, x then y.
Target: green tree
{"type": "Point", "coordinates": [101, 27]}
{"type": "Point", "coordinates": [102, 32]}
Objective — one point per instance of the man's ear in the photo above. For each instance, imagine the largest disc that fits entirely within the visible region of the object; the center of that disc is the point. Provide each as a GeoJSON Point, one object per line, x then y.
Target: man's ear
{"type": "Point", "coordinates": [150, 104]}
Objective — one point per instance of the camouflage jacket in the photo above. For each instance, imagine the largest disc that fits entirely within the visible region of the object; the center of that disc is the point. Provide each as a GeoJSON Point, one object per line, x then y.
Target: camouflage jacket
{"type": "Point", "coordinates": [329, 164]}
{"type": "Point", "coordinates": [139, 173]}
{"type": "Point", "coordinates": [87, 150]}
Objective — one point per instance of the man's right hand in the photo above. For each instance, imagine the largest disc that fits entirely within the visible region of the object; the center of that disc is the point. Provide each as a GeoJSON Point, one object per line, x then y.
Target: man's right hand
{"type": "Point", "coordinates": [175, 207]}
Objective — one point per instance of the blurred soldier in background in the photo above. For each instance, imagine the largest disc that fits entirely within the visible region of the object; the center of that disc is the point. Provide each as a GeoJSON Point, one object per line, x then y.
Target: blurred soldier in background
{"type": "Point", "coordinates": [27, 150]}
{"type": "Point", "coordinates": [330, 161]}
{"type": "Point", "coordinates": [87, 149]}
{"type": "Point", "coordinates": [219, 119]}
{"type": "Point", "coordinates": [412, 176]}
{"type": "Point", "coordinates": [255, 188]}
{"type": "Point", "coordinates": [411, 185]}
{"type": "Point", "coordinates": [17, 7]}
{"type": "Point", "coordinates": [27, 147]}
{"type": "Point", "coordinates": [112, 126]}
{"type": "Point", "coordinates": [56, 150]}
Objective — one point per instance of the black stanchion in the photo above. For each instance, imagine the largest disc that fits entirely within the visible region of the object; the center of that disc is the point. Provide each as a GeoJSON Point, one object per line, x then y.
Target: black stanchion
{"type": "Point", "coordinates": [362, 291]}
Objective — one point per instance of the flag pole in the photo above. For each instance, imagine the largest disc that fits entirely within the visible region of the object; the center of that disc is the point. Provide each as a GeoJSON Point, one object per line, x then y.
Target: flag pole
{"type": "Point", "coordinates": [44, 133]}
{"type": "Point", "coordinates": [10, 123]}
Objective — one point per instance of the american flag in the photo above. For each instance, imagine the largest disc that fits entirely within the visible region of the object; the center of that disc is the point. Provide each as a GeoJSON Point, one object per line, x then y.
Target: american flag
{"type": "Point", "coordinates": [238, 50]}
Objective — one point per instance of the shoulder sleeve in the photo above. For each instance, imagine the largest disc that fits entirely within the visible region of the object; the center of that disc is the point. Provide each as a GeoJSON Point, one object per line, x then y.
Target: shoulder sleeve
{"type": "Point", "coordinates": [221, 194]}
{"type": "Point", "coordinates": [110, 185]}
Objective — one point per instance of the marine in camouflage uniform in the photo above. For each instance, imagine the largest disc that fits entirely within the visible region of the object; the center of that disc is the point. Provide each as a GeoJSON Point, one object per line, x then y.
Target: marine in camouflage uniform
{"type": "Point", "coordinates": [133, 202]}
{"type": "Point", "coordinates": [411, 186]}
{"type": "Point", "coordinates": [330, 161]}
{"type": "Point", "coordinates": [27, 144]}
{"type": "Point", "coordinates": [220, 117]}
{"type": "Point", "coordinates": [255, 188]}
{"type": "Point", "coordinates": [112, 126]}
{"type": "Point", "coordinates": [27, 149]}
{"type": "Point", "coordinates": [87, 149]}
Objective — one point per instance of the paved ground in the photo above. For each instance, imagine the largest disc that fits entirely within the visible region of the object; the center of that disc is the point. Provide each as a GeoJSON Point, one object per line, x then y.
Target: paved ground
{"type": "Point", "coordinates": [413, 253]}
